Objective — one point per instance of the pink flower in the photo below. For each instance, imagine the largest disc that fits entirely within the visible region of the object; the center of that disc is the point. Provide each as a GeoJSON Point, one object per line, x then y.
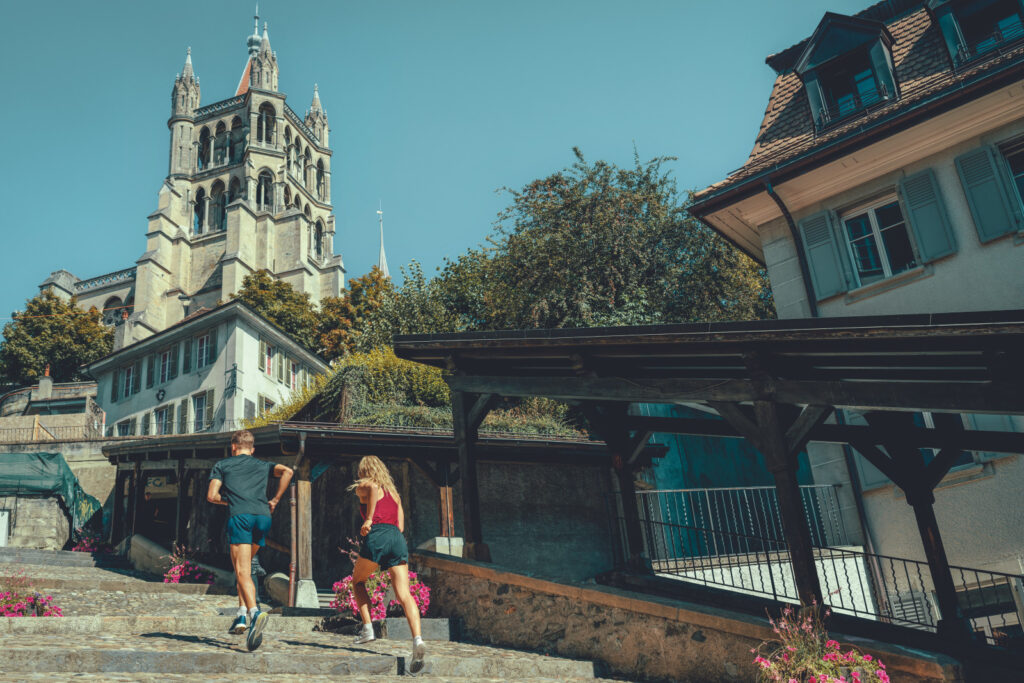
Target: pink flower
{"type": "Point", "coordinates": [832, 644]}
{"type": "Point", "coordinates": [867, 658]}
{"type": "Point", "coordinates": [882, 676]}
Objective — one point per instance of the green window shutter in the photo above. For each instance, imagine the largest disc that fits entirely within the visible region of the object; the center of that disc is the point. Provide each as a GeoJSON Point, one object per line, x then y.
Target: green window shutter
{"type": "Point", "coordinates": [186, 357]}
{"type": "Point", "coordinates": [263, 356]}
{"type": "Point", "coordinates": [132, 425]}
{"type": "Point", "coordinates": [209, 409]}
{"type": "Point", "coordinates": [927, 216]}
{"type": "Point", "coordinates": [183, 416]}
{"type": "Point", "coordinates": [145, 425]}
{"type": "Point", "coordinates": [211, 348]}
{"type": "Point", "coordinates": [115, 381]}
{"type": "Point", "coordinates": [815, 99]}
{"type": "Point", "coordinates": [986, 194]}
{"type": "Point", "coordinates": [136, 377]}
{"type": "Point", "coordinates": [173, 372]}
{"type": "Point", "coordinates": [826, 256]}
{"type": "Point", "coordinates": [169, 419]}
{"type": "Point", "coordinates": [881, 61]}
{"type": "Point", "coordinates": [150, 370]}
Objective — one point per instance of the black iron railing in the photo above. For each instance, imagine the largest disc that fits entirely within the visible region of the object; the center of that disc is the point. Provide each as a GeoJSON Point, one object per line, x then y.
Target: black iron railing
{"type": "Point", "coordinates": [995, 43]}
{"type": "Point", "coordinates": [748, 554]}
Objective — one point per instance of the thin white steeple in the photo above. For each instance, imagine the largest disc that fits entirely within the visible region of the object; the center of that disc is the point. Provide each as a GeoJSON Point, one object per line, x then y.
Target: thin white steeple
{"type": "Point", "coordinates": [382, 260]}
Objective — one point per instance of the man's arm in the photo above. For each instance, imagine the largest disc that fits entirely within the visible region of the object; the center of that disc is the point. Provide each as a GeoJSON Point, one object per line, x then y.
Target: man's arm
{"type": "Point", "coordinates": [284, 473]}
{"type": "Point", "coordinates": [213, 493]}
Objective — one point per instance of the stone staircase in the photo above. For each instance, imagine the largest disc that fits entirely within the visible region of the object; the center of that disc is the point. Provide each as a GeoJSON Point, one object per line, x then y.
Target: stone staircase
{"type": "Point", "coordinates": [122, 626]}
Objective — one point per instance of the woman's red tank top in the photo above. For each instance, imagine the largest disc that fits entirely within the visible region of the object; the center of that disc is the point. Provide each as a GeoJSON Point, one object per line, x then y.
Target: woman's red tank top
{"type": "Point", "coordinates": [386, 511]}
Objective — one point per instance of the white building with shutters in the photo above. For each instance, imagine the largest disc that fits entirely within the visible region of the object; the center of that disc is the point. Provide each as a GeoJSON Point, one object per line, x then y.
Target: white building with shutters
{"type": "Point", "coordinates": [887, 178]}
{"type": "Point", "coordinates": [208, 372]}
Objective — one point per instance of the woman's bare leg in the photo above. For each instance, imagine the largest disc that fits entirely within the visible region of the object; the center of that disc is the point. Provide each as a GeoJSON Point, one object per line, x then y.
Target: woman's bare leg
{"type": "Point", "coordinates": [400, 582]}
{"type": "Point", "coordinates": [362, 571]}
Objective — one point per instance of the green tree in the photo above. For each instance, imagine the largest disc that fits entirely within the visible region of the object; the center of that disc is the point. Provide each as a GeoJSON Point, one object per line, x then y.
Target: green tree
{"type": "Point", "coordinates": [278, 302]}
{"type": "Point", "coordinates": [595, 244]}
{"type": "Point", "coordinates": [350, 322]}
{"type": "Point", "coordinates": [52, 331]}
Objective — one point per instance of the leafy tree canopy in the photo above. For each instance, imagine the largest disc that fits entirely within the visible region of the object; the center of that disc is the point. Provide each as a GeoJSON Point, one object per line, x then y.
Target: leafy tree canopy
{"type": "Point", "coordinates": [52, 331]}
{"type": "Point", "coordinates": [278, 302]}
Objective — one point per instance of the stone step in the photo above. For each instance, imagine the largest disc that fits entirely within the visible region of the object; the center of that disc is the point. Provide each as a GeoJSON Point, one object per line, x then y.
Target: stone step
{"type": "Point", "coordinates": [60, 558]}
{"type": "Point", "coordinates": [145, 624]}
{"type": "Point", "coordinates": [126, 584]}
{"type": "Point", "coordinates": [307, 654]}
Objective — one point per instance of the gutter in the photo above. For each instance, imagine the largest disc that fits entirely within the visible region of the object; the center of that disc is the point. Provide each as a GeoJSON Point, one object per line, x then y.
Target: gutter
{"type": "Point", "coordinates": [801, 257]}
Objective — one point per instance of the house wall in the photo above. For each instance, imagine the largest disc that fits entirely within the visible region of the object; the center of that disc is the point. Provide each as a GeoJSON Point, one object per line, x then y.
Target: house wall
{"type": "Point", "coordinates": [36, 522]}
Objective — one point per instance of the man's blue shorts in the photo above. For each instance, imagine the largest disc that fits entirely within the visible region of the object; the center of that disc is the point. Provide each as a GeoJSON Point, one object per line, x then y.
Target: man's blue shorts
{"type": "Point", "coordinates": [248, 529]}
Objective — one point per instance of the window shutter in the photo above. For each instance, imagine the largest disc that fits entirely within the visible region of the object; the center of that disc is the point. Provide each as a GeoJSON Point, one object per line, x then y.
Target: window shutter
{"type": "Point", "coordinates": [183, 416]}
{"type": "Point", "coordinates": [150, 370]}
{"type": "Point", "coordinates": [145, 425]}
{"type": "Point", "coordinates": [986, 194]}
{"type": "Point", "coordinates": [815, 99]}
{"type": "Point", "coordinates": [881, 61]}
{"type": "Point", "coordinates": [115, 382]}
{"type": "Point", "coordinates": [279, 360]}
{"type": "Point", "coordinates": [927, 216]}
{"type": "Point", "coordinates": [826, 257]}
{"type": "Point", "coordinates": [132, 424]}
{"type": "Point", "coordinates": [263, 356]}
{"type": "Point", "coordinates": [173, 372]}
{"type": "Point", "coordinates": [186, 357]}
{"type": "Point", "coordinates": [136, 377]}
{"type": "Point", "coordinates": [209, 409]}
{"type": "Point", "coordinates": [169, 419]}
{"type": "Point", "coordinates": [211, 347]}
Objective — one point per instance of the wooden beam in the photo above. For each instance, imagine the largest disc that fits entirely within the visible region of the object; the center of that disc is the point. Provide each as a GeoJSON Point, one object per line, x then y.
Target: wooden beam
{"type": "Point", "coordinates": [782, 463]}
{"type": "Point", "coordinates": [1002, 398]}
{"type": "Point", "coordinates": [465, 442]}
{"type": "Point", "coordinates": [637, 446]}
{"type": "Point", "coordinates": [481, 407]}
{"type": "Point", "coordinates": [304, 493]}
{"type": "Point", "coordinates": [883, 462]}
{"type": "Point", "coordinates": [799, 432]}
{"type": "Point", "coordinates": [179, 499]}
{"type": "Point", "coordinates": [735, 416]}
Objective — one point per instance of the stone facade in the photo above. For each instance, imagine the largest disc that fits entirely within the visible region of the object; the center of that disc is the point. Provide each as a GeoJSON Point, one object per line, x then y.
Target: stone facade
{"type": "Point", "coordinates": [34, 522]}
{"type": "Point", "coordinates": [248, 188]}
{"type": "Point", "coordinates": [632, 635]}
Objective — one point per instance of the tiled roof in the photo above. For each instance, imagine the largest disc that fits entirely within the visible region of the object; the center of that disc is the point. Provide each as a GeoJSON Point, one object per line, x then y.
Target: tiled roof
{"type": "Point", "coordinates": [243, 82]}
{"type": "Point", "coordinates": [923, 71]}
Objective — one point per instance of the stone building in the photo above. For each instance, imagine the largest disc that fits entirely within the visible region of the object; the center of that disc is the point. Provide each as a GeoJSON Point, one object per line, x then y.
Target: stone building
{"type": "Point", "coordinates": [887, 177]}
{"type": "Point", "coordinates": [248, 188]}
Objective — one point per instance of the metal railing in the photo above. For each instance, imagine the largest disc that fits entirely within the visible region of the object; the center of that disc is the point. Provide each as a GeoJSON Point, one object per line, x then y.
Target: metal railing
{"type": "Point", "coordinates": [851, 104]}
{"type": "Point", "coordinates": [724, 554]}
{"type": "Point", "coordinates": [994, 43]}
{"type": "Point", "coordinates": [40, 433]}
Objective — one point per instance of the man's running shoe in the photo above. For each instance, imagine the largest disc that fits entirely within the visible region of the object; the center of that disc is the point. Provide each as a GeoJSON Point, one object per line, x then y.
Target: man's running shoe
{"type": "Point", "coordinates": [255, 637]}
{"type": "Point", "coordinates": [238, 626]}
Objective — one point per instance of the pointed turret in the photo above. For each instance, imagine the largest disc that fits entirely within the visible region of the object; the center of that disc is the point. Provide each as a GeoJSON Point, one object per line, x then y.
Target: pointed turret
{"type": "Point", "coordinates": [185, 94]}
{"type": "Point", "coordinates": [263, 65]}
{"type": "Point", "coordinates": [316, 118]}
{"type": "Point", "coordinates": [382, 259]}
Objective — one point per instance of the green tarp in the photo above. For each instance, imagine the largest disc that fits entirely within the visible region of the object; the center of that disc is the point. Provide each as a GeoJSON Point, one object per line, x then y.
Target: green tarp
{"type": "Point", "coordinates": [43, 474]}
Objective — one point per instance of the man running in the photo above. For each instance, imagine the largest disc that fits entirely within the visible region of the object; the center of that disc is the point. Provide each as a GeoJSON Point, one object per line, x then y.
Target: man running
{"type": "Point", "coordinates": [240, 482]}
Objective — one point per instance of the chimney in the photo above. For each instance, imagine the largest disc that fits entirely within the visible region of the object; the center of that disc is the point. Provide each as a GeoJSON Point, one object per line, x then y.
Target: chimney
{"type": "Point", "coordinates": [45, 389]}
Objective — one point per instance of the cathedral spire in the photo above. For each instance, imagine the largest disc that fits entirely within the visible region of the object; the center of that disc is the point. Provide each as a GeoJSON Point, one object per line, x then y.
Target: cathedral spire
{"type": "Point", "coordinates": [253, 41]}
{"type": "Point", "coordinates": [187, 71]}
{"type": "Point", "coordinates": [185, 94]}
{"type": "Point", "coordinates": [265, 41]}
{"type": "Point", "coordinates": [316, 99]}
{"type": "Point", "coordinates": [316, 118]}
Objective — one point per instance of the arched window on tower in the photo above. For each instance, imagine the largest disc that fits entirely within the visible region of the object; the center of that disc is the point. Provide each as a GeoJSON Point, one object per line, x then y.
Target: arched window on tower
{"type": "Point", "coordinates": [309, 214]}
{"type": "Point", "coordinates": [237, 140]}
{"type": "Point", "coordinates": [287, 197]}
{"type": "Point", "coordinates": [220, 145]}
{"type": "Point", "coordinates": [321, 190]}
{"type": "Point", "coordinates": [307, 168]}
{"type": "Point", "coordinates": [318, 241]}
{"type": "Point", "coordinates": [218, 207]}
{"type": "Point", "coordinates": [112, 311]}
{"type": "Point", "coordinates": [265, 192]}
{"type": "Point", "coordinates": [199, 213]}
{"type": "Point", "coordinates": [234, 190]}
{"type": "Point", "coordinates": [265, 124]}
{"type": "Point", "coordinates": [204, 148]}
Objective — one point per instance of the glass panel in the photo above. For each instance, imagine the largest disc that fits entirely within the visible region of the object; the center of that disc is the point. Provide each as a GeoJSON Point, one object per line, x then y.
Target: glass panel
{"type": "Point", "coordinates": [867, 260]}
{"type": "Point", "coordinates": [898, 249]}
{"type": "Point", "coordinates": [888, 215]}
{"type": "Point", "coordinates": [866, 88]}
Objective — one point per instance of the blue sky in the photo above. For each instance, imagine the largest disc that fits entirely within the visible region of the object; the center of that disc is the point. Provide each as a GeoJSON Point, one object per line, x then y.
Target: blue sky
{"type": "Point", "coordinates": [433, 105]}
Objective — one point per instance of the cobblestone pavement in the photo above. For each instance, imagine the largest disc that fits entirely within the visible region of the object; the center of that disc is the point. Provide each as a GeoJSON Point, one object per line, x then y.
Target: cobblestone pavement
{"type": "Point", "coordinates": [150, 678]}
{"type": "Point", "coordinates": [76, 603]}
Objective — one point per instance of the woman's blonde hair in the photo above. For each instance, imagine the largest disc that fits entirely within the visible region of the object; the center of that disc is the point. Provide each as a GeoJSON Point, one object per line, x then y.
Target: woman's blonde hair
{"type": "Point", "coordinates": [372, 470]}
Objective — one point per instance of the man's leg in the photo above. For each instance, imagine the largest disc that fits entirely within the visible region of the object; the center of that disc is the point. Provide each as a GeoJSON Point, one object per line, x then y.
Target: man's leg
{"type": "Point", "coordinates": [241, 560]}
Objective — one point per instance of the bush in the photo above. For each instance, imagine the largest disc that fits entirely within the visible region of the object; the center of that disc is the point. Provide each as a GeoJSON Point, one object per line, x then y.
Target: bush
{"type": "Point", "coordinates": [183, 568]}
{"type": "Point", "coordinates": [289, 408]}
{"type": "Point", "coordinates": [377, 587]}
{"type": "Point", "coordinates": [386, 378]}
{"type": "Point", "coordinates": [90, 542]}
{"type": "Point", "coordinates": [19, 599]}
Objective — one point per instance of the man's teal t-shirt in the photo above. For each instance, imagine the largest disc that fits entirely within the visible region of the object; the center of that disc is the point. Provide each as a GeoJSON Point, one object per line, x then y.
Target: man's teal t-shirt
{"type": "Point", "coordinates": [243, 484]}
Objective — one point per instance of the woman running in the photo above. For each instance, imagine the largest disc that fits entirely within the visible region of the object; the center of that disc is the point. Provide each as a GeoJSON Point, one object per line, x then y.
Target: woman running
{"type": "Point", "coordinates": [383, 546]}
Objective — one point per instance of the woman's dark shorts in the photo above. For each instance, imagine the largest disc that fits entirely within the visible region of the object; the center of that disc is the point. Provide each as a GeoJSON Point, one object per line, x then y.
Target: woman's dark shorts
{"type": "Point", "coordinates": [384, 546]}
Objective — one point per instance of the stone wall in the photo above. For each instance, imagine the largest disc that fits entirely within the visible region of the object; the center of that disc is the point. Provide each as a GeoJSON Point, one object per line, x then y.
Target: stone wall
{"type": "Point", "coordinates": [36, 522]}
{"type": "Point", "coordinates": [629, 634]}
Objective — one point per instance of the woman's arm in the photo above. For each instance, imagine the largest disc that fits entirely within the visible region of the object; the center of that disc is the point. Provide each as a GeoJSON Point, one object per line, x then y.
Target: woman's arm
{"type": "Point", "coordinates": [371, 506]}
{"type": "Point", "coordinates": [401, 515]}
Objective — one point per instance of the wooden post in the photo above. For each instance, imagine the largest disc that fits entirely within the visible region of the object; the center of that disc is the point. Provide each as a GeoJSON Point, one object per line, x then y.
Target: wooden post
{"type": "Point", "coordinates": [782, 463]}
{"type": "Point", "coordinates": [180, 498]}
{"type": "Point", "coordinates": [133, 510]}
{"type": "Point", "coordinates": [117, 514]}
{"type": "Point", "coordinates": [634, 532]}
{"type": "Point", "coordinates": [468, 411]}
{"type": "Point", "coordinates": [304, 490]}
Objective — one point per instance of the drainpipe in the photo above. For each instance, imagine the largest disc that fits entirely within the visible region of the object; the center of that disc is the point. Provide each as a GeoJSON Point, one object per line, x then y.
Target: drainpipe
{"type": "Point", "coordinates": [812, 302]}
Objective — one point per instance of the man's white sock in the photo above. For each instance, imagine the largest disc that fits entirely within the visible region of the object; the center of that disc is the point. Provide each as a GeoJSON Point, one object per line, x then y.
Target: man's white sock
{"type": "Point", "coordinates": [242, 611]}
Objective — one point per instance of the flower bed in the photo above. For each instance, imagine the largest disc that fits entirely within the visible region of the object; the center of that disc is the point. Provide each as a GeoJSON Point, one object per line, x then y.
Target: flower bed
{"type": "Point", "coordinates": [377, 588]}
{"type": "Point", "coordinates": [804, 653]}
{"type": "Point", "coordinates": [18, 599]}
{"type": "Point", "coordinates": [184, 569]}
{"type": "Point", "coordinates": [90, 542]}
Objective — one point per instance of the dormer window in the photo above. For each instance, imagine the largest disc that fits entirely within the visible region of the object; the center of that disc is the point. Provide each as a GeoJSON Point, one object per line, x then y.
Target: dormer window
{"type": "Point", "coordinates": [975, 28]}
{"type": "Point", "coordinates": [846, 68]}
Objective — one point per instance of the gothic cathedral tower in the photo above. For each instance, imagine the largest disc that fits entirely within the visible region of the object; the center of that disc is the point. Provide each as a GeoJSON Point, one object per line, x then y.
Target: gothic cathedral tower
{"type": "Point", "coordinates": [248, 188]}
